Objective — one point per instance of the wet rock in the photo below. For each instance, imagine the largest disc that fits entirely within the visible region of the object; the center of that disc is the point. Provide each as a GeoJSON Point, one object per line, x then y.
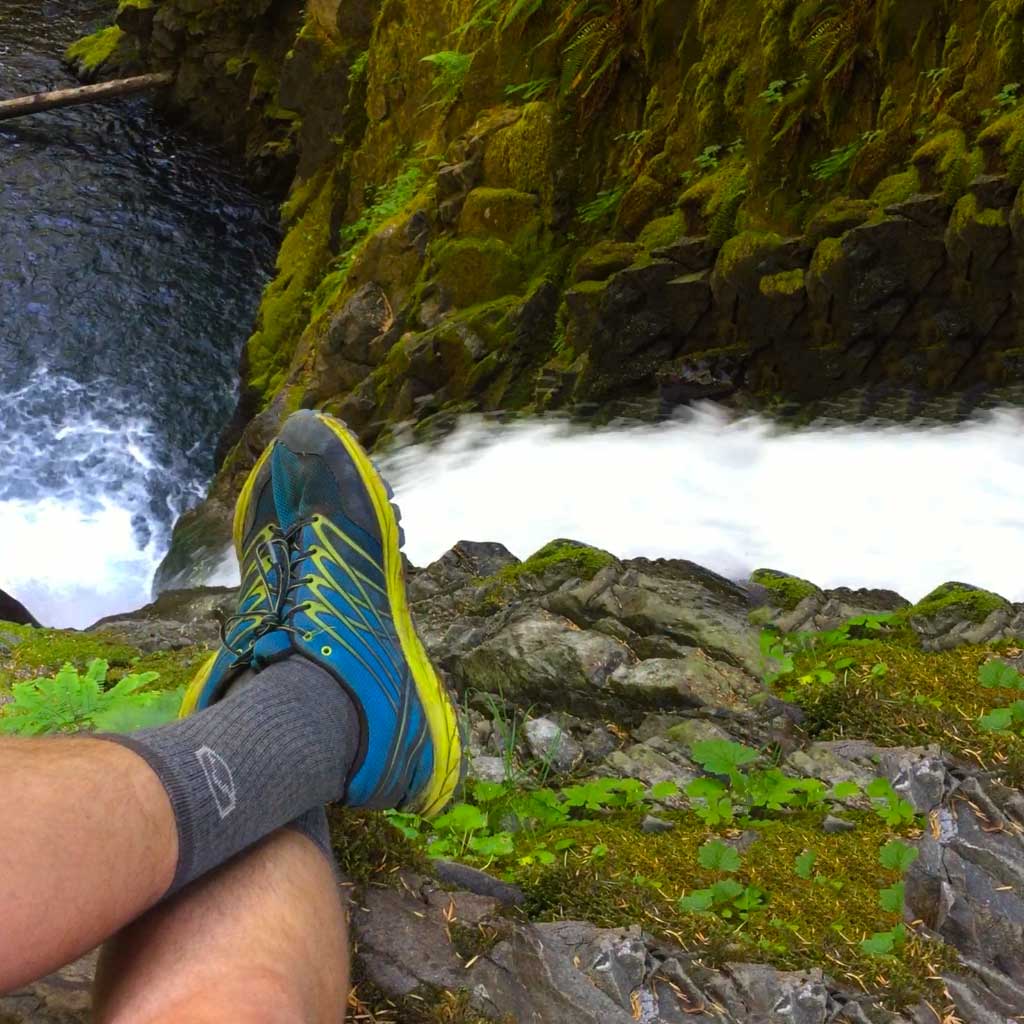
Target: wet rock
{"type": "Point", "coordinates": [653, 825]}
{"type": "Point", "coordinates": [462, 876]}
{"type": "Point", "coordinates": [12, 610]}
{"type": "Point", "coordinates": [691, 681]}
{"type": "Point", "coordinates": [176, 619]}
{"type": "Point", "coordinates": [671, 598]}
{"type": "Point", "coordinates": [551, 745]}
{"type": "Point", "coordinates": [835, 825]}
{"type": "Point", "coordinates": [543, 656]}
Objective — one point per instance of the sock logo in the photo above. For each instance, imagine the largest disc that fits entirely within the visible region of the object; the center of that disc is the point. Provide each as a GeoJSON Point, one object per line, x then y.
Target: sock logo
{"type": "Point", "coordinates": [219, 779]}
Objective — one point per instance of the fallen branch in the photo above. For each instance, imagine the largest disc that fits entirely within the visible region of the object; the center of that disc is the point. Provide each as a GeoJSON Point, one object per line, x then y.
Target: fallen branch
{"type": "Point", "coordinates": [41, 101]}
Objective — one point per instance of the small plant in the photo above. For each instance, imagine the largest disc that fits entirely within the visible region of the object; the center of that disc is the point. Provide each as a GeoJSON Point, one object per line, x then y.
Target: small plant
{"type": "Point", "coordinates": [893, 856]}
{"type": "Point", "coordinates": [1009, 96]}
{"type": "Point", "coordinates": [889, 805]}
{"type": "Point", "coordinates": [360, 66]}
{"type": "Point", "coordinates": [728, 897]}
{"type": "Point", "coordinates": [603, 206]}
{"type": "Point", "coordinates": [997, 675]}
{"type": "Point", "coordinates": [836, 163]}
{"type": "Point", "coordinates": [69, 702]}
{"type": "Point", "coordinates": [775, 91]}
{"type": "Point", "coordinates": [532, 90]}
{"type": "Point", "coordinates": [450, 70]}
{"type": "Point", "coordinates": [390, 199]}
{"type": "Point", "coordinates": [708, 159]}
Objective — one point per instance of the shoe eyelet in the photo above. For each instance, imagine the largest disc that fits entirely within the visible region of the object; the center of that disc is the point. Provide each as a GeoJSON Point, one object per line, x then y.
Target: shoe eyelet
{"type": "Point", "coordinates": [326, 651]}
{"type": "Point", "coordinates": [307, 637]}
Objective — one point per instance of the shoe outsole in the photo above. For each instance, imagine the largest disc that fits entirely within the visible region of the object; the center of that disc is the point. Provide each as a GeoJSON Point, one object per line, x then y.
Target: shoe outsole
{"type": "Point", "coordinates": [438, 706]}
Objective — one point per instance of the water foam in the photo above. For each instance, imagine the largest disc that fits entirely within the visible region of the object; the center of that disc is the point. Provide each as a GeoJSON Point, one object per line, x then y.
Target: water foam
{"type": "Point", "coordinates": [904, 507]}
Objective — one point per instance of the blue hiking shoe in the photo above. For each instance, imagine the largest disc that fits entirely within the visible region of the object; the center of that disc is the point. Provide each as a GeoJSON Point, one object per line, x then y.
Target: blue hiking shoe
{"type": "Point", "coordinates": [345, 609]}
{"type": "Point", "coordinates": [263, 558]}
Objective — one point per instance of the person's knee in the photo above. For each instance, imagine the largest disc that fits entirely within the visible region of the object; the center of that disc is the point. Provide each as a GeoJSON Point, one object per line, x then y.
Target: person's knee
{"type": "Point", "coordinates": [260, 998]}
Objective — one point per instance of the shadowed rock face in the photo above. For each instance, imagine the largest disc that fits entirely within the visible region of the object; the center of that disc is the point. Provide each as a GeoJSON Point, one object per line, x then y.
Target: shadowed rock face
{"type": "Point", "coordinates": [12, 610]}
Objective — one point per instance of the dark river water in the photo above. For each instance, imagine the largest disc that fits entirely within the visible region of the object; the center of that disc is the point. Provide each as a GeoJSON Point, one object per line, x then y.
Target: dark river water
{"type": "Point", "coordinates": [131, 263]}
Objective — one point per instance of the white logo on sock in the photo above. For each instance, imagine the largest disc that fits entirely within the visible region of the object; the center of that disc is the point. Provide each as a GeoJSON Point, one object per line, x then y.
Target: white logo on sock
{"type": "Point", "coordinates": [219, 779]}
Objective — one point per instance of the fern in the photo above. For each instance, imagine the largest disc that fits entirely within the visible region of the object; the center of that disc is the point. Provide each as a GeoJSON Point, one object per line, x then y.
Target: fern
{"type": "Point", "coordinates": [450, 70]}
{"type": "Point", "coordinates": [840, 40]}
{"type": "Point", "coordinates": [595, 39]}
{"type": "Point", "coordinates": [69, 702]}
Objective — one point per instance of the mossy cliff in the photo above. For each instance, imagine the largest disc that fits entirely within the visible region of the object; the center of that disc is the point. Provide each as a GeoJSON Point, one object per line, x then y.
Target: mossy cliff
{"type": "Point", "coordinates": [613, 207]}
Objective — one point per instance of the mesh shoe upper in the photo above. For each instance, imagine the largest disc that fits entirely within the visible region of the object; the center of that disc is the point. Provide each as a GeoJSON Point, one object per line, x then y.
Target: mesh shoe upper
{"type": "Point", "coordinates": [345, 609]}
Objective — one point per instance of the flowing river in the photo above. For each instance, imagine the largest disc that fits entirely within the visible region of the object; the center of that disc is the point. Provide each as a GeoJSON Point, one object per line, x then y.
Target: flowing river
{"type": "Point", "coordinates": [131, 262]}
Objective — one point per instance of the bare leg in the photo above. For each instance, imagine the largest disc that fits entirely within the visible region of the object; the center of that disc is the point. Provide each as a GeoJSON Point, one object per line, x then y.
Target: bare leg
{"type": "Point", "coordinates": [87, 843]}
{"type": "Point", "coordinates": [262, 940]}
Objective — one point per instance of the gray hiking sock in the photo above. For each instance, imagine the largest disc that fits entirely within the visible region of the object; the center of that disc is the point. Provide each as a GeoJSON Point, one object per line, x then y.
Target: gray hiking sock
{"type": "Point", "coordinates": [271, 750]}
{"type": "Point", "coordinates": [313, 825]}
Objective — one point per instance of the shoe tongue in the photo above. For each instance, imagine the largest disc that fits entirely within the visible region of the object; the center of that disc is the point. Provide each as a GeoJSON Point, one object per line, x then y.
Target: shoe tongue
{"type": "Point", "coordinates": [271, 647]}
{"type": "Point", "coordinates": [285, 469]}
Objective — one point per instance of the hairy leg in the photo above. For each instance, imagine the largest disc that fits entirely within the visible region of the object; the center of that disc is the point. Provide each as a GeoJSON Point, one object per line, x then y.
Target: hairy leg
{"type": "Point", "coordinates": [88, 841]}
{"type": "Point", "coordinates": [261, 940]}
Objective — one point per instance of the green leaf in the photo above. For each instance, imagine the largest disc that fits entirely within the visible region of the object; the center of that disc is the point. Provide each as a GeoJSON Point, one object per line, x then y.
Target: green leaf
{"type": "Point", "coordinates": [722, 757]}
{"type": "Point", "coordinates": [805, 863]}
{"type": "Point", "coordinates": [487, 792]}
{"type": "Point", "coordinates": [726, 890]}
{"type": "Point", "coordinates": [891, 898]}
{"type": "Point", "coordinates": [845, 790]}
{"type": "Point", "coordinates": [499, 845]}
{"type": "Point", "coordinates": [664, 790]}
{"type": "Point", "coordinates": [997, 675]}
{"type": "Point", "coordinates": [880, 944]}
{"type": "Point", "coordinates": [880, 788]}
{"type": "Point", "coordinates": [718, 856]}
{"type": "Point", "coordinates": [599, 851]}
{"type": "Point", "coordinates": [462, 818]}
{"type": "Point", "coordinates": [997, 720]}
{"type": "Point", "coordinates": [752, 898]}
{"type": "Point", "coordinates": [697, 902]}
{"type": "Point", "coordinates": [897, 856]}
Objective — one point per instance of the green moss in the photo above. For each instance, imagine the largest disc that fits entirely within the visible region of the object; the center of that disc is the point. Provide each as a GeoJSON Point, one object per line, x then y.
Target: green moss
{"type": "Point", "coordinates": [368, 849]}
{"type": "Point", "coordinates": [828, 253]}
{"type": "Point", "coordinates": [805, 923]}
{"type": "Point", "coordinates": [743, 249]}
{"type": "Point", "coordinates": [896, 188]}
{"type": "Point", "coordinates": [568, 556]}
{"type": "Point", "coordinates": [600, 261]}
{"type": "Point", "coordinates": [1003, 142]}
{"type": "Point", "coordinates": [967, 212]}
{"type": "Point", "coordinates": [475, 270]}
{"type": "Point", "coordinates": [787, 283]}
{"type": "Point", "coordinates": [945, 162]}
{"type": "Point", "coordinates": [284, 310]}
{"type": "Point", "coordinates": [521, 156]}
{"type": "Point", "coordinates": [663, 231]}
{"type": "Point", "coordinates": [786, 591]}
{"type": "Point", "coordinates": [502, 213]}
{"type": "Point", "coordinates": [972, 604]}
{"type": "Point", "coordinates": [712, 204]}
{"type": "Point", "coordinates": [921, 698]}
{"type": "Point", "coordinates": [27, 653]}
{"type": "Point", "coordinates": [90, 53]}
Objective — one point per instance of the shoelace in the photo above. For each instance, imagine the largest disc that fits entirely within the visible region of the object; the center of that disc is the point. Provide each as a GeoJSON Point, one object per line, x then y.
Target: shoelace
{"type": "Point", "coordinates": [281, 552]}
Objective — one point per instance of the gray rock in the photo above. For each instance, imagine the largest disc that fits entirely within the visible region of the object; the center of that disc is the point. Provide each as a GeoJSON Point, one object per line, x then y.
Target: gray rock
{"type": "Point", "coordinates": [655, 826]}
{"type": "Point", "coordinates": [599, 743]}
{"type": "Point", "coordinates": [834, 825]}
{"type": "Point", "coordinates": [463, 876]}
{"type": "Point", "coordinates": [486, 768]}
{"type": "Point", "coordinates": [671, 598]}
{"type": "Point", "coordinates": [176, 619]}
{"type": "Point", "coordinates": [12, 610]}
{"type": "Point", "coordinates": [693, 681]}
{"type": "Point", "coordinates": [551, 745]}
{"type": "Point", "coordinates": [540, 656]}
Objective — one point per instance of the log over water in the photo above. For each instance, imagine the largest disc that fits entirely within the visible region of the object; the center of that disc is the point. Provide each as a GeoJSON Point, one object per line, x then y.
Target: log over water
{"type": "Point", "coordinates": [83, 94]}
